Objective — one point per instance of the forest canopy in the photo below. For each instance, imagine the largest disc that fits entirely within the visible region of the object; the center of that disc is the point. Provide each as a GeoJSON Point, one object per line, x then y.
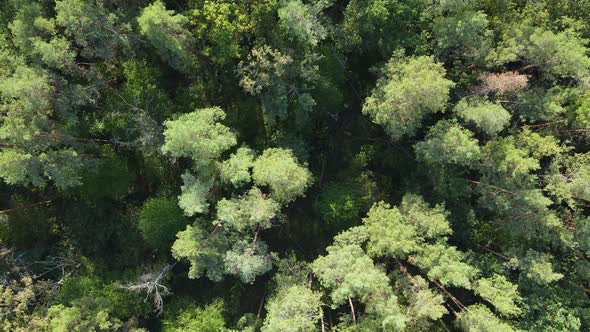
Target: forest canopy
{"type": "Point", "coordinates": [295, 165]}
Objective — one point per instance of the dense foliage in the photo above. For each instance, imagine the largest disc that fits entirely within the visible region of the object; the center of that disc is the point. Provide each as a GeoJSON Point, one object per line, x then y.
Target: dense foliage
{"type": "Point", "coordinates": [295, 165]}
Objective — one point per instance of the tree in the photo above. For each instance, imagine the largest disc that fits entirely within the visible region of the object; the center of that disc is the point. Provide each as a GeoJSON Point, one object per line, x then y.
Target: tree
{"type": "Point", "coordinates": [501, 293]}
{"type": "Point", "coordinates": [300, 22]}
{"type": "Point", "coordinates": [478, 317]}
{"type": "Point", "coordinates": [278, 169]}
{"type": "Point", "coordinates": [159, 221]}
{"type": "Point", "coordinates": [195, 194]}
{"type": "Point", "coordinates": [99, 33]}
{"type": "Point", "coordinates": [341, 202]}
{"type": "Point", "coordinates": [462, 34]}
{"type": "Point", "coordinates": [218, 25]}
{"type": "Point", "coordinates": [349, 274]}
{"type": "Point", "coordinates": [489, 117]}
{"type": "Point", "coordinates": [87, 314]}
{"type": "Point", "coordinates": [247, 260]}
{"type": "Point", "coordinates": [448, 143]}
{"type": "Point", "coordinates": [445, 263]}
{"type": "Point", "coordinates": [557, 55]}
{"type": "Point", "coordinates": [379, 27]}
{"type": "Point", "coordinates": [294, 308]}
{"type": "Point", "coordinates": [205, 252]}
{"type": "Point", "coordinates": [411, 88]}
{"type": "Point", "coordinates": [167, 32]}
{"type": "Point", "coordinates": [250, 212]}
{"type": "Point", "coordinates": [198, 135]}
{"type": "Point", "coordinates": [236, 169]}
{"type": "Point", "coordinates": [192, 318]}
{"type": "Point", "coordinates": [399, 232]}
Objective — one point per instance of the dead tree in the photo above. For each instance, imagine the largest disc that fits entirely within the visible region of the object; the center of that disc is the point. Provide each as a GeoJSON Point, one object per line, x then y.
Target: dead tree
{"type": "Point", "coordinates": [152, 283]}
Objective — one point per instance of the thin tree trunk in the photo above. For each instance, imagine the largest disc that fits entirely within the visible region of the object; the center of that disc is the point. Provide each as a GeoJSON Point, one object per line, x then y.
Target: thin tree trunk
{"type": "Point", "coordinates": [352, 309]}
{"type": "Point", "coordinates": [260, 307]}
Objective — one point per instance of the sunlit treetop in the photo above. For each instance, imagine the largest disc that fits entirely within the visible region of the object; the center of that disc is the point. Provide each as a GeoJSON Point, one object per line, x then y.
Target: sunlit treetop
{"type": "Point", "coordinates": [411, 89]}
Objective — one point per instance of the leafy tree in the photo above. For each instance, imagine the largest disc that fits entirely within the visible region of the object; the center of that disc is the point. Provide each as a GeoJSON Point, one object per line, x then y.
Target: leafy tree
{"type": "Point", "coordinates": [464, 34]}
{"type": "Point", "coordinates": [448, 143]}
{"type": "Point", "coordinates": [491, 118]}
{"type": "Point", "coordinates": [424, 302]}
{"type": "Point", "coordinates": [540, 48]}
{"type": "Point", "coordinates": [279, 170]}
{"type": "Point", "coordinates": [479, 318]}
{"type": "Point", "coordinates": [501, 293]}
{"type": "Point", "coordinates": [167, 31]}
{"type": "Point", "coordinates": [569, 179]}
{"type": "Point", "coordinates": [87, 314]}
{"type": "Point", "coordinates": [205, 252]}
{"type": "Point", "coordinates": [218, 24]}
{"type": "Point", "coordinates": [159, 221]}
{"type": "Point", "coordinates": [349, 273]}
{"type": "Point", "coordinates": [294, 308]}
{"type": "Point", "coordinates": [382, 26]}
{"type": "Point", "coordinates": [195, 193]}
{"type": "Point", "coordinates": [248, 260]}
{"type": "Point", "coordinates": [538, 268]}
{"type": "Point", "coordinates": [399, 232]}
{"type": "Point", "coordinates": [445, 263]}
{"type": "Point", "coordinates": [99, 33]}
{"type": "Point", "coordinates": [198, 135]}
{"type": "Point", "coordinates": [193, 318]}
{"type": "Point", "coordinates": [236, 169]}
{"type": "Point", "coordinates": [341, 202]}
{"type": "Point", "coordinates": [251, 211]}
{"type": "Point", "coordinates": [410, 89]}
{"type": "Point", "coordinates": [300, 22]}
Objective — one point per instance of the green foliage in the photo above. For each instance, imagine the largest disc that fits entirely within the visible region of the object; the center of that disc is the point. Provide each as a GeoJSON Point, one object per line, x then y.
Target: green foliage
{"type": "Point", "coordinates": [411, 89]}
{"type": "Point", "coordinates": [479, 318]}
{"type": "Point", "coordinates": [248, 260]}
{"type": "Point", "coordinates": [399, 232]}
{"type": "Point", "coordinates": [167, 31]}
{"type": "Point", "coordinates": [569, 179]}
{"type": "Point", "coordinates": [249, 212]}
{"type": "Point", "coordinates": [349, 273]}
{"type": "Point", "coordinates": [16, 299]}
{"type": "Point", "coordinates": [279, 170]}
{"type": "Point", "coordinates": [445, 263]}
{"type": "Point", "coordinates": [205, 252]}
{"type": "Point", "coordinates": [294, 308]}
{"type": "Point", "coordinates": [300, 23]}
{"type": "Point", "coordinates": [501, 293]}
{"type": "Point", "coordinates": [341, 202]}
{"type": "Point", "coordinates": [424, 302]}
{"type": "Point", "coordinates": [263, 68]}
{"type": "Point", "coordinates": [159, 221]}
{"type": "Point", "coordinates": [381, 26]}
{"type": "Point", "coordinates": [99, 33]}
{"type": "Point", "coordinates": [538, 268]}
{"type": "Point", "coordinates": [557, 55]}
{"type": "Point", "coordinates": [195, 192]}
{"type": "Point", "coordinates": [111, 140]}
{"type": "Point", "coordinates": [236, 169]}
{"type": "Point", "coordinates": [198, 135]}
{"type": "Point", "coordinates": [193, 318]}
{"type": "Point", "coordinates": [448, 143]}
{"type": "Point", "coordinates": [491, 118]}
{"type": "Point", "coordinates": [464, 34]}
{"type": "Point", "coordinates": [217, 24]}
{"type": "Point", "coordinates": [87, 314]}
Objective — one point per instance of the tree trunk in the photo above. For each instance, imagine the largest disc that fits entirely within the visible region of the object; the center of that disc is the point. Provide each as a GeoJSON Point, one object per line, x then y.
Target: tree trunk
{"type": "Point", "coordinates": [352, 309]}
